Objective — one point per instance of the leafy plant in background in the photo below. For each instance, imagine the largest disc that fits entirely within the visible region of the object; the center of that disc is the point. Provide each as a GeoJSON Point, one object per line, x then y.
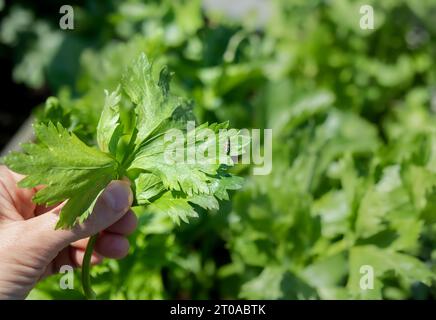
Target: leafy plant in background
{"type": "Point", "coordinates": [352, 113]}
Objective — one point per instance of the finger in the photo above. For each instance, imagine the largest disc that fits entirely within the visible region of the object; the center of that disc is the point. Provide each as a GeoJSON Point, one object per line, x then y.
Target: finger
{"type": "Point", "coordinates": [126, 225]}
{"type": "Point", "coordinates": [70, 257]}
{"type": "Point", "coordinates": [109, 208]}
{"type": "Point", "coordinates": [112, 205]}
{"type": "Point", "coordinates": [108, 244]}
{"type": "Point", "coordinates": [17, 202]}
{"type": "Point", "coordinates": [80, 244]}
{"type": "Point", "coordinates": [41, 209]}
{"type": "Point", "coordinates": [78, 254]}
{"type": "Point", "coordinates": [112, 245]}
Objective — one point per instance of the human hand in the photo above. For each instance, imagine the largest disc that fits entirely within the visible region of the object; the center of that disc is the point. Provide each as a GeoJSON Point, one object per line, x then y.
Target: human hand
{"type": "Point", "coordinates": [31, 248]}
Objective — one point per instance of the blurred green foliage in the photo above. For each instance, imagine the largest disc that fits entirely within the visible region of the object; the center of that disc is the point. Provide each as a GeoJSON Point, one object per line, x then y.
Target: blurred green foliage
{"type": "Point", "coordinates": [354, 141]}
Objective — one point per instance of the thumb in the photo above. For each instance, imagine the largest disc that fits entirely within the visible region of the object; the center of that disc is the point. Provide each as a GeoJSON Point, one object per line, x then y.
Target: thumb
{"type": "Point", "coordinates": [111, 206]}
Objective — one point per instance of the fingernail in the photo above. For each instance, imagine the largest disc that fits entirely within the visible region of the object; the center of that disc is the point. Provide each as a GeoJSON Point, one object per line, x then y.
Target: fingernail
{"type": "Point", "coordinates": [118, 196]}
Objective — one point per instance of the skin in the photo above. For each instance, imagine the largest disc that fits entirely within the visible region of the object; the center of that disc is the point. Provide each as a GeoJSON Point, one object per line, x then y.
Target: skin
{"type": "Point", "coordinates": [31, 248]}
